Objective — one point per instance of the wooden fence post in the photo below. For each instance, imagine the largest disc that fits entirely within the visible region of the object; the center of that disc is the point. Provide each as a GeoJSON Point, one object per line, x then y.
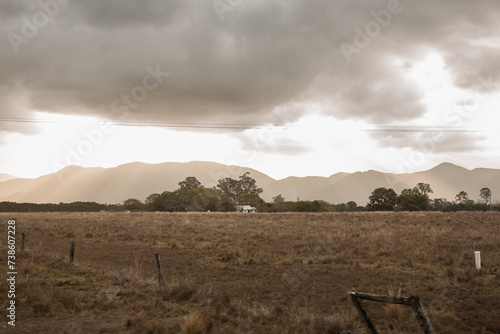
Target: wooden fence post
{"type": "Point", "coordinates": [158, 267]}
{"type": "Point", "coordinates": [72, 252]}
{"type": "Point", "coordinates": [422, 318]}
{"type": "Point", "coordinates": [362, 312]}
{"type": "Point", "coordinates": [413, 302]}
{"type": "Point", "coordinates": [22, 242]}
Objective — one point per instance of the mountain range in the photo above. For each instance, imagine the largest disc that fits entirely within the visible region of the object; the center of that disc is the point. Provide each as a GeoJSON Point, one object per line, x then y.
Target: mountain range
{"type": "Point", "coordinates": [6, 177]}
{"type": "Point", "coordinates": [138, 180]}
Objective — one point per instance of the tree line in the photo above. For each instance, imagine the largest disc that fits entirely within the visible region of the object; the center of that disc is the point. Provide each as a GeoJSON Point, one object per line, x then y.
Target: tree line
{"type": "Point", "coordinates": [61, 207]}
{"type": "Point", "coordinates": [193, 196]}
{"type": "Point", "coordinates": [229, 193]}
{"type": "Point", "coordinates": [417, 199]}
{"type": "Point", "coordinates": [226, 196]}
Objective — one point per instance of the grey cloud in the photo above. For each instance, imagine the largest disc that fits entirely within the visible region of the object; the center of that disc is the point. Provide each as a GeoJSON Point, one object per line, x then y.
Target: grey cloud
{"type": "Point", "coordinates": [264, 55]}
{"type": "Point", "coordinates": [118, 14]}
{"type": "Point", "coordinates": [381, 102]}
{"type": "Point", "coordinates": [476, 68]}
{"type": "Point", "coordinates": [431, 141]}
{"type": "Point", "coordinates": [18, 8]}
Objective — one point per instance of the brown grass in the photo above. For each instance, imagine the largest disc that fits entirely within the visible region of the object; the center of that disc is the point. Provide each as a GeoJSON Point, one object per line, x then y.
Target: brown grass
{"type": "Point", "coordinates": [253, 273]}
{"type": "Point", "coordinates": [394, 311]}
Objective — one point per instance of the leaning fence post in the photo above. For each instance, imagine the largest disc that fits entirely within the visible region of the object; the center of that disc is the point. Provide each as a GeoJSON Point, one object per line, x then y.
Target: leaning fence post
{"type": "Point", "coordinates": [22, 241]}
{"type": "Point", "coordinates": [72, 252]}
{"type": "Point", "coordinates": [362, 312]}
{"type": "Point", "coordinates": [421, 315]}
{"type": "Point", "coordinates": [158, 267]}
{"type": "Point", "coordinates": [413, 302]}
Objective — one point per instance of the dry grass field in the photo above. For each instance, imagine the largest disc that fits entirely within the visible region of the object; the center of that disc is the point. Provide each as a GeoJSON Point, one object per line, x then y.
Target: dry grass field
{"type": "Point", "coordinates": [251, 273]}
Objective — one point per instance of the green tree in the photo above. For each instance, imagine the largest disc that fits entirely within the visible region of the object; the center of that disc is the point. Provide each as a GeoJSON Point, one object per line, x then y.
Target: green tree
{"type": "Point", "coordinates": [413, 202]}
{"type": "Point", "coordinates": [279, 204]}
{"type": "Point", "coordinates": [171, 201]}
{"type": "Point", "coordinates": [229, 187]}
{"type": "Point", "coordinates": [441, 204]}
{"type": "Point", "coordinates": [485, 194]}
{"type": "Point", "coordinates": [409, 191]}
{"type": "Point", "coordinates": [382, 199]}
{"type": "Point", "coordinates": [205, 199]}
{"type": "Point", "coordinates": [341, 207]}
{"type": "Point", "coordinates": [196, 199]}
{"type": "Point", "coordinates": [189, 183]}
{"type": "Point", "coordinates": [132, 204]}
{"type": "Point", "coordinates": [154, 202]}
{"type": "Point", "coordinates": [324, 206]}
{"type": "Point", "coordinates": [462, 198]}
{"type": "Point", "coordinates": [233, 188]}
{"type": "Point", "coordinates": [304, 206]}
{"type": "Point", "coordinates": [228, 206]}
{"type": "Point", "coordinates": [278, 199]}
{"type": "Point", "coordinates": [351, 206]}
{"type": "Point", "coordinates": [249, 199]}
{"type": "Point", "coordinates": [423, 189]}
{"type": "Point", "coordinates": [248, 185]}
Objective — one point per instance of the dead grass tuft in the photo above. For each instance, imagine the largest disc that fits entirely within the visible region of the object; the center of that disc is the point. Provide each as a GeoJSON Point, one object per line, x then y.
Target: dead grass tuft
{"type": "Point", "coordinates": [196, 323]}
{"type": "Point", "coordinates": [394, 311]}
{"type": "Point", "coordinates": [181, 289]}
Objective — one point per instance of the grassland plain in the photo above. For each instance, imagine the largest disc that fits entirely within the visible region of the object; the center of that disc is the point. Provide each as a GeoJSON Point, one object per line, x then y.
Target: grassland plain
{"type": "Point", "coordinates": [251, 273]}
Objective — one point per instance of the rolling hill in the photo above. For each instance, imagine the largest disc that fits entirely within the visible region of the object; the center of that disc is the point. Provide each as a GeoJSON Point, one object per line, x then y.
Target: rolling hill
{"type": "Point", "coordinates": [114, 185]}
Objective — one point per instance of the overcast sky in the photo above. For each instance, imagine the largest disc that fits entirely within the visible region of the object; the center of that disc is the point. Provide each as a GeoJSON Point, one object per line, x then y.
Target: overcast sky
{"type": "Point", "coordinates": [286, 87]}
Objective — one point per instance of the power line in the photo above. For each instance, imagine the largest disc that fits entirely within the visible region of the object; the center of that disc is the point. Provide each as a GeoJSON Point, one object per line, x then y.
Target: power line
{"type": "Point", "coordinates": [199, 125]}
{"type": "Point", "coordinates": [421, 129]}
{"type": "Point", "coordinates": [242, 126]}
{"type": "Point", "coordinates": [247, 126]}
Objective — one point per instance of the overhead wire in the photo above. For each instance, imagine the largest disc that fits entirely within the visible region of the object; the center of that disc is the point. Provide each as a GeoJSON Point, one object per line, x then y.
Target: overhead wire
{"type": "Point", "coordinates": [247, 126]}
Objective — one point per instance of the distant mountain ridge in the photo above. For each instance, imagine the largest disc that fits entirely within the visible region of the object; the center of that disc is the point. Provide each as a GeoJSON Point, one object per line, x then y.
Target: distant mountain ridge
{"type": "Point", "coordinates": [6, 177]}
{"type": "Point", "coordinates": [138, 180]}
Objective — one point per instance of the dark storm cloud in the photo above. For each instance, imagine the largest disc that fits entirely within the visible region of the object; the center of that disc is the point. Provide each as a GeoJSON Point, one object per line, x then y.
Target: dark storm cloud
{"type": "Point", "coordinates": [263, 55]}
